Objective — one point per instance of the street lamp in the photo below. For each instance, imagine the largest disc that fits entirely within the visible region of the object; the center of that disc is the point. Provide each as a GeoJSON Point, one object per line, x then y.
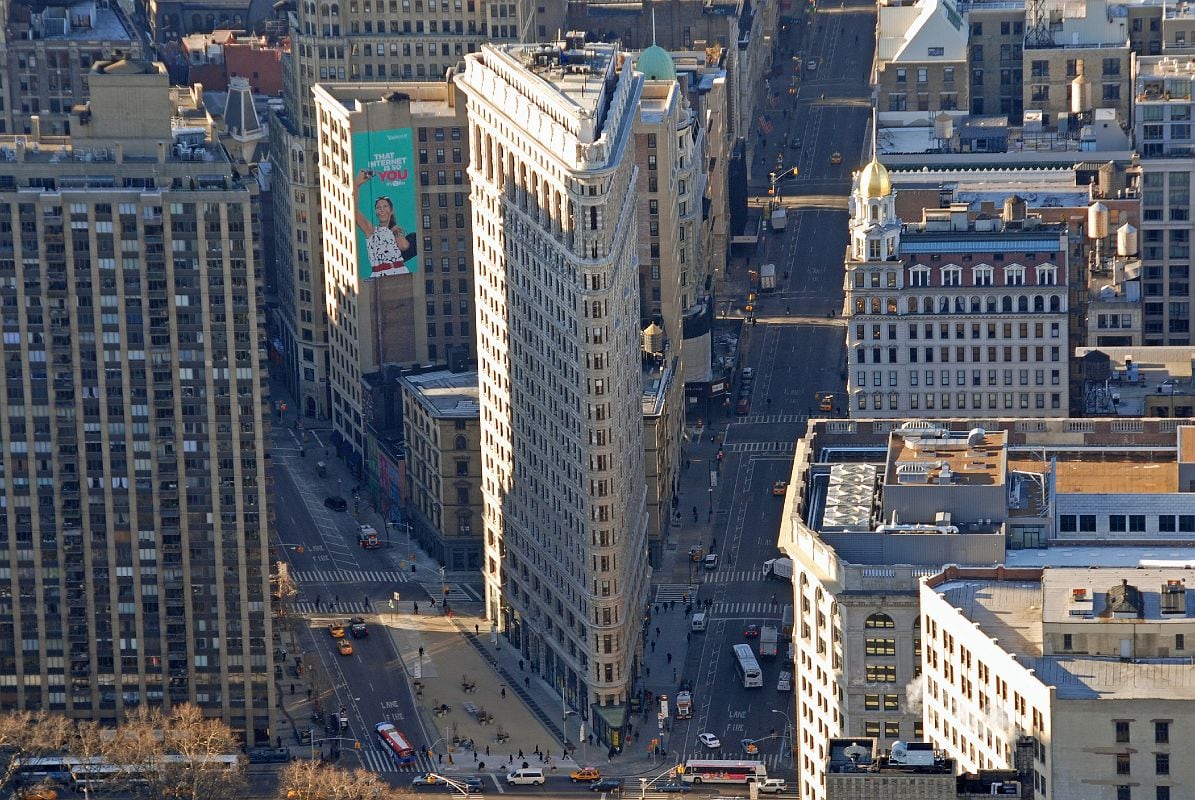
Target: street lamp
{"type": "Point", "coordinates": [776, 177]}
{"type": "Point", "coordinates": [788, 732]}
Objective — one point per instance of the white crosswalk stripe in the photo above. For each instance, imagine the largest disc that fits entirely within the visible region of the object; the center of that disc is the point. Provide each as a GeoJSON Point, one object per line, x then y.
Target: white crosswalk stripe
{"type": "Point", "coordinates": [733, 576]}
{"type": "Point", "coordinates": [308, 609]}
{"type": "Point", "coordinates": [378, 760]}
{"type": "Point", "coordinates": [350, 576]}
{"type": "Point", "coordinates": [772, 419]}
{"type": "Point", "coordinates": [674, 592]}
{"type": "Point", "coordinates": [456, 593]}
{"type": "Point", "coordinates": [760, 447]}
{"type": "Point", "coordinates": [738, 609]}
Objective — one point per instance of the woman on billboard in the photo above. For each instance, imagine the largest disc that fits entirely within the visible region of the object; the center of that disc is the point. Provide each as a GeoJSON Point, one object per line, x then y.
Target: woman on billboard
{"type": "Point", "coordinates": [388, 245]}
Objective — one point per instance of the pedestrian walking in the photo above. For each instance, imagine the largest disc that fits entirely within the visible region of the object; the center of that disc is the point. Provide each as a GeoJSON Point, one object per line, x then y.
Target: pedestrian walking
{"type": "Point", "coordinates": [688, 637]}
{"type": "Point", "coordinates": [439, 758]}
{"type": "Point", "coordinates": [476, 630]}
{"type": "Point", "coordinates": [657, 633]}
{"type": "Point", "coordinates": [416, 608]}
{"type": "Point", "coordinates": [670, 658]}
{"type": "Point", "coordinates": [512, 759]}
{"type": "Point", "coordinates": [336, 598]}
{"type": "Point", "coordinates": [653, 647]}
{"type": "Point", "coordinates": [520, 665]}
{"type": "Point", "coordinates": [487, 749]}
{"type": "Point", "coordinates": [527, 682]}
{"type": "Point", "coordinates": [317, 602]}
{"type": "Point", "coordinates": [520, 754]}
{"type": "Point", "coordinates": [503, 697]}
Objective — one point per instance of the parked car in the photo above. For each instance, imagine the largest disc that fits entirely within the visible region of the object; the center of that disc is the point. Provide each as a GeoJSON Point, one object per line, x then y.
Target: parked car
{"type": "Point", "coordinates": [709, 740]}
{"type": "Point", "coordinates": [335, 503]}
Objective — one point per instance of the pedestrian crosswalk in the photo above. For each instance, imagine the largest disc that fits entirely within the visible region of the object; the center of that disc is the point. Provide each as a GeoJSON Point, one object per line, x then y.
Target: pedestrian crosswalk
{"type": "Point", "coordinates": [377, 760]}
{"type": "Point", "coordinates": [675, 592]}
{"type": "Point", "coordinates": [349, 576]}
{"type": "Point", "coordinates": [345, 607]}
{"type": "Point", "coordinates": [760, 447]}
{"type": "Point", "coordinates": [457, 593]}
{"type": "Point", "coordinates": [745, 609]}
{"type": "Point", "coordinates": [772, 419]}
{"type": "Point", "coordinates": [733, 576]}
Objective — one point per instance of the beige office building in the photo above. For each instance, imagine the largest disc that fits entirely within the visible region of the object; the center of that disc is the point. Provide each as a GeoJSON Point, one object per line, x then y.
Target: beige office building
{"type": "Point", "coordinates": [442, 433]}
{"type": "Point", "coordinates": [423, 312]}
{"type": "Point", "coordinates": [554, 237]}
{"type": "Point", "coordinates": [134, 548]}
{"type": "Point", "coordinates": [362, 43]}
{"type": "Point", "coordinates": [1087, 667]}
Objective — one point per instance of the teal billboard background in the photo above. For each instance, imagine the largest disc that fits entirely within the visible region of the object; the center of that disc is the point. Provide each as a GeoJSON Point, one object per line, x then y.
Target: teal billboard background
{"type": "Point", "coordinates": [384, 191]}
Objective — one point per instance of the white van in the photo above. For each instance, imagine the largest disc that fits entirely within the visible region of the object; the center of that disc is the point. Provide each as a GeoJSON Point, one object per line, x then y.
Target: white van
{"type": "Point", "coordinates": [785, 682]}
{"type": "Point", "coordinates": [533, 776]}
{"type": "Point", "coordinates": [710, 561]}
{"type": "Point", "coordinates": [698, 623]}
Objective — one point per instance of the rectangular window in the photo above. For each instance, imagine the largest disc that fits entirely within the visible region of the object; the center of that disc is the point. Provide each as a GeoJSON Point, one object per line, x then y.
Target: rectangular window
{"type": "Point", "coordinates": [1121, 728]}
{"type": "Point", "coordinates": [1162, 763]}
{"type": "Point", "coordinates": [1162, 733]}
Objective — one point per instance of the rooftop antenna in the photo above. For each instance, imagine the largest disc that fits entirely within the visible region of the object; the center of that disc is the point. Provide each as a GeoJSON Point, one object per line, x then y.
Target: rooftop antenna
{"type": "Point", "coordinates": [875, 144]}
{"type": "Point", "coordinates": [653, 26]}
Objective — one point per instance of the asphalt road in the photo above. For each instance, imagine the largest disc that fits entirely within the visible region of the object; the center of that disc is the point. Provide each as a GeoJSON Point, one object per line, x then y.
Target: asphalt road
{"type": "Point", "coordinates": [796, 349]}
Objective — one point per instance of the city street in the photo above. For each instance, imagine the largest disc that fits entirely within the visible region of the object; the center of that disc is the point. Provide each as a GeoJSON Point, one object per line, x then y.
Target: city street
{"type": "Point", "coordinates": [796, 350]}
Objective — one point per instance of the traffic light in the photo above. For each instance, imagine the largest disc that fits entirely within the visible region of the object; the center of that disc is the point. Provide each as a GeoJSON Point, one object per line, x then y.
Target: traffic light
{"type": "Point", "coordinates": [771, 191]}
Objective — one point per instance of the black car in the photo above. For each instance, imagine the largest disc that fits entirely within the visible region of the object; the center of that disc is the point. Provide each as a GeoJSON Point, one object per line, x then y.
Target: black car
{"type": "Point", "coordinates": [357, 628]}
{"type": "Point", "coordinates": [677, 786]}
{"type": "Point", "coordinates": [335, 503]}
{"type": "Point", "coordinates": [606, 785]}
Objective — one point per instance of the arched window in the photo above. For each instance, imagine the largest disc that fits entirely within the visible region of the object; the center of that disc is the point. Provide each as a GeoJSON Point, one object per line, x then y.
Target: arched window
{"type": "Point", "coordinates": [1055, 303]}
{"type": "Point", "coordinates": [975, 306]}
{"type": "Point", "coordinates": [1006, 303]}
{"type": "Point", "coordinates": [879, 620]}
{"type": "Point", "coordinates": [1022, 303]}
{"type": "Point", "coordinates": [875, 213]}
{"type": "Point", "coordinates": [462, 443]}
{"type": "Point", "coordinates": [960, 305]}
{"type": "Point", "coordinates": [1039, 303]}
{"type": "Point", "coordinates": [943, 305]}
{"type": "Point", "coordinates": [990, 304]}
{"type": "Point", "coordinates": [927, 305]}
{"type": "Point", "coordinates": [911, 304]}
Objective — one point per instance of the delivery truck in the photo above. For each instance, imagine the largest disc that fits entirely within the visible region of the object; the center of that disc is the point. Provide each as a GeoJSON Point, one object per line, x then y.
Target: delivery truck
{"type": "Point", "coordinates": [767, 278]}
{"type": "Point", "coordinates": [779, 568]}
{"type": "Point", "coordinates": [769, 638]}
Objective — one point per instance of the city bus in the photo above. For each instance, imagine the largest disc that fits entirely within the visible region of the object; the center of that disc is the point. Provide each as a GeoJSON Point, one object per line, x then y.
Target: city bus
{"type": "Point", "coordinates": [698, 770]}
{"type": "Point", "coordinates": [395, 742]}
{"type": "Point", "coordinates": [747, 667]}
{"type": "Point", "coordinates": [41, 769]}
{"type": "Point", "coordinates": [85, 774]}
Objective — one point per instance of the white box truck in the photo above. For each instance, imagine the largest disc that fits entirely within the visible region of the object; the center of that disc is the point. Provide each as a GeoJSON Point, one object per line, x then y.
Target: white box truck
{"type": "Point", "coordinates": [767, 278]}
{"type": "Point", "coordinates": [768, 639]}
{"type": "Point", "coordinates": [778, 568]}
{"type": "Point", "coordinates": [779, 218]}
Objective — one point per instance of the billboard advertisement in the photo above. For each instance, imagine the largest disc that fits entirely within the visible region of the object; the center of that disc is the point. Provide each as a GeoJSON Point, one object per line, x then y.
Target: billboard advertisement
{"type": "Point", "coordinates": [384, 190]}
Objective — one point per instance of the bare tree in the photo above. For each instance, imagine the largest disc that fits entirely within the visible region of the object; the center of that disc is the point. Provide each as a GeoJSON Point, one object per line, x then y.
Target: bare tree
{"type": "Point", "coordinates": [29, 734]}
{"type": "Point", "coordinates": [311, 780]}
{"type": "Point", "coordinates": [178, 755]}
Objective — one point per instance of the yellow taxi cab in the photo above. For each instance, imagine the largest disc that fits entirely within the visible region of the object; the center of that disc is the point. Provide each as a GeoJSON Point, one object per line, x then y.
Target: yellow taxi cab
{"type": "Point", "coordinates": [40, 793]}
{"type": "Point", "coordinates": [337, 630]}
{"type": "Point", "coordinates": [586, 774]}
{"type": "Point", "coordinates": [836, 157]}
{"type": "Point", "coordinates": [345, 646]}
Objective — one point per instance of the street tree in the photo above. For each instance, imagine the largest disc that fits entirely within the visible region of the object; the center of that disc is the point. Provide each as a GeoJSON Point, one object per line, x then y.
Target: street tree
{"type": "Point", "coordinates": [176, 754]}
{"type": "Point", "coordinates": [29, 734]}
{"type": "Point", "coordinates": [314, 780]}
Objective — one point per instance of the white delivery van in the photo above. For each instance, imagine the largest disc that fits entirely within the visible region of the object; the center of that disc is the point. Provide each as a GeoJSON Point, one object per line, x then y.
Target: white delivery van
{"type": "Point", "coordinates": [533, 776]}
{"type": "Point", "coordinates": [785, 682]}
{"type": "Point", "coordinates": [698, 623]}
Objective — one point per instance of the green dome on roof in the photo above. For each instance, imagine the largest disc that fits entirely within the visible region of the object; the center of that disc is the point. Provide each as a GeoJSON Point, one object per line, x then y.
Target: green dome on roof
{"type": "Point", "coordinates": [656, 64]}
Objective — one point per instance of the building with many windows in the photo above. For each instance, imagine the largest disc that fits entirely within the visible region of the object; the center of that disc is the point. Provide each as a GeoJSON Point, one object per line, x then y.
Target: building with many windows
{"type": "Point", "coordinates": [134, 546]}
{"type": "Point", "coordinates": [961, 313]}
{"type": "Point", "coordinates": [1162, 127]}
{"type": "Point", "coordinates": [442, 425]}
{"type": "Point", "coordinates": [1084, 669]}
{"type": "Point", "coordinates": [47, 51]}
{"type": "Point", "coordinates": [555, 235]}
{"type": "Point", "coordinates": [875, 506]}
{"type": "Point", "coordinates": [355, 42]}
{"type": "Point", "coordinates": [412, 139]}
